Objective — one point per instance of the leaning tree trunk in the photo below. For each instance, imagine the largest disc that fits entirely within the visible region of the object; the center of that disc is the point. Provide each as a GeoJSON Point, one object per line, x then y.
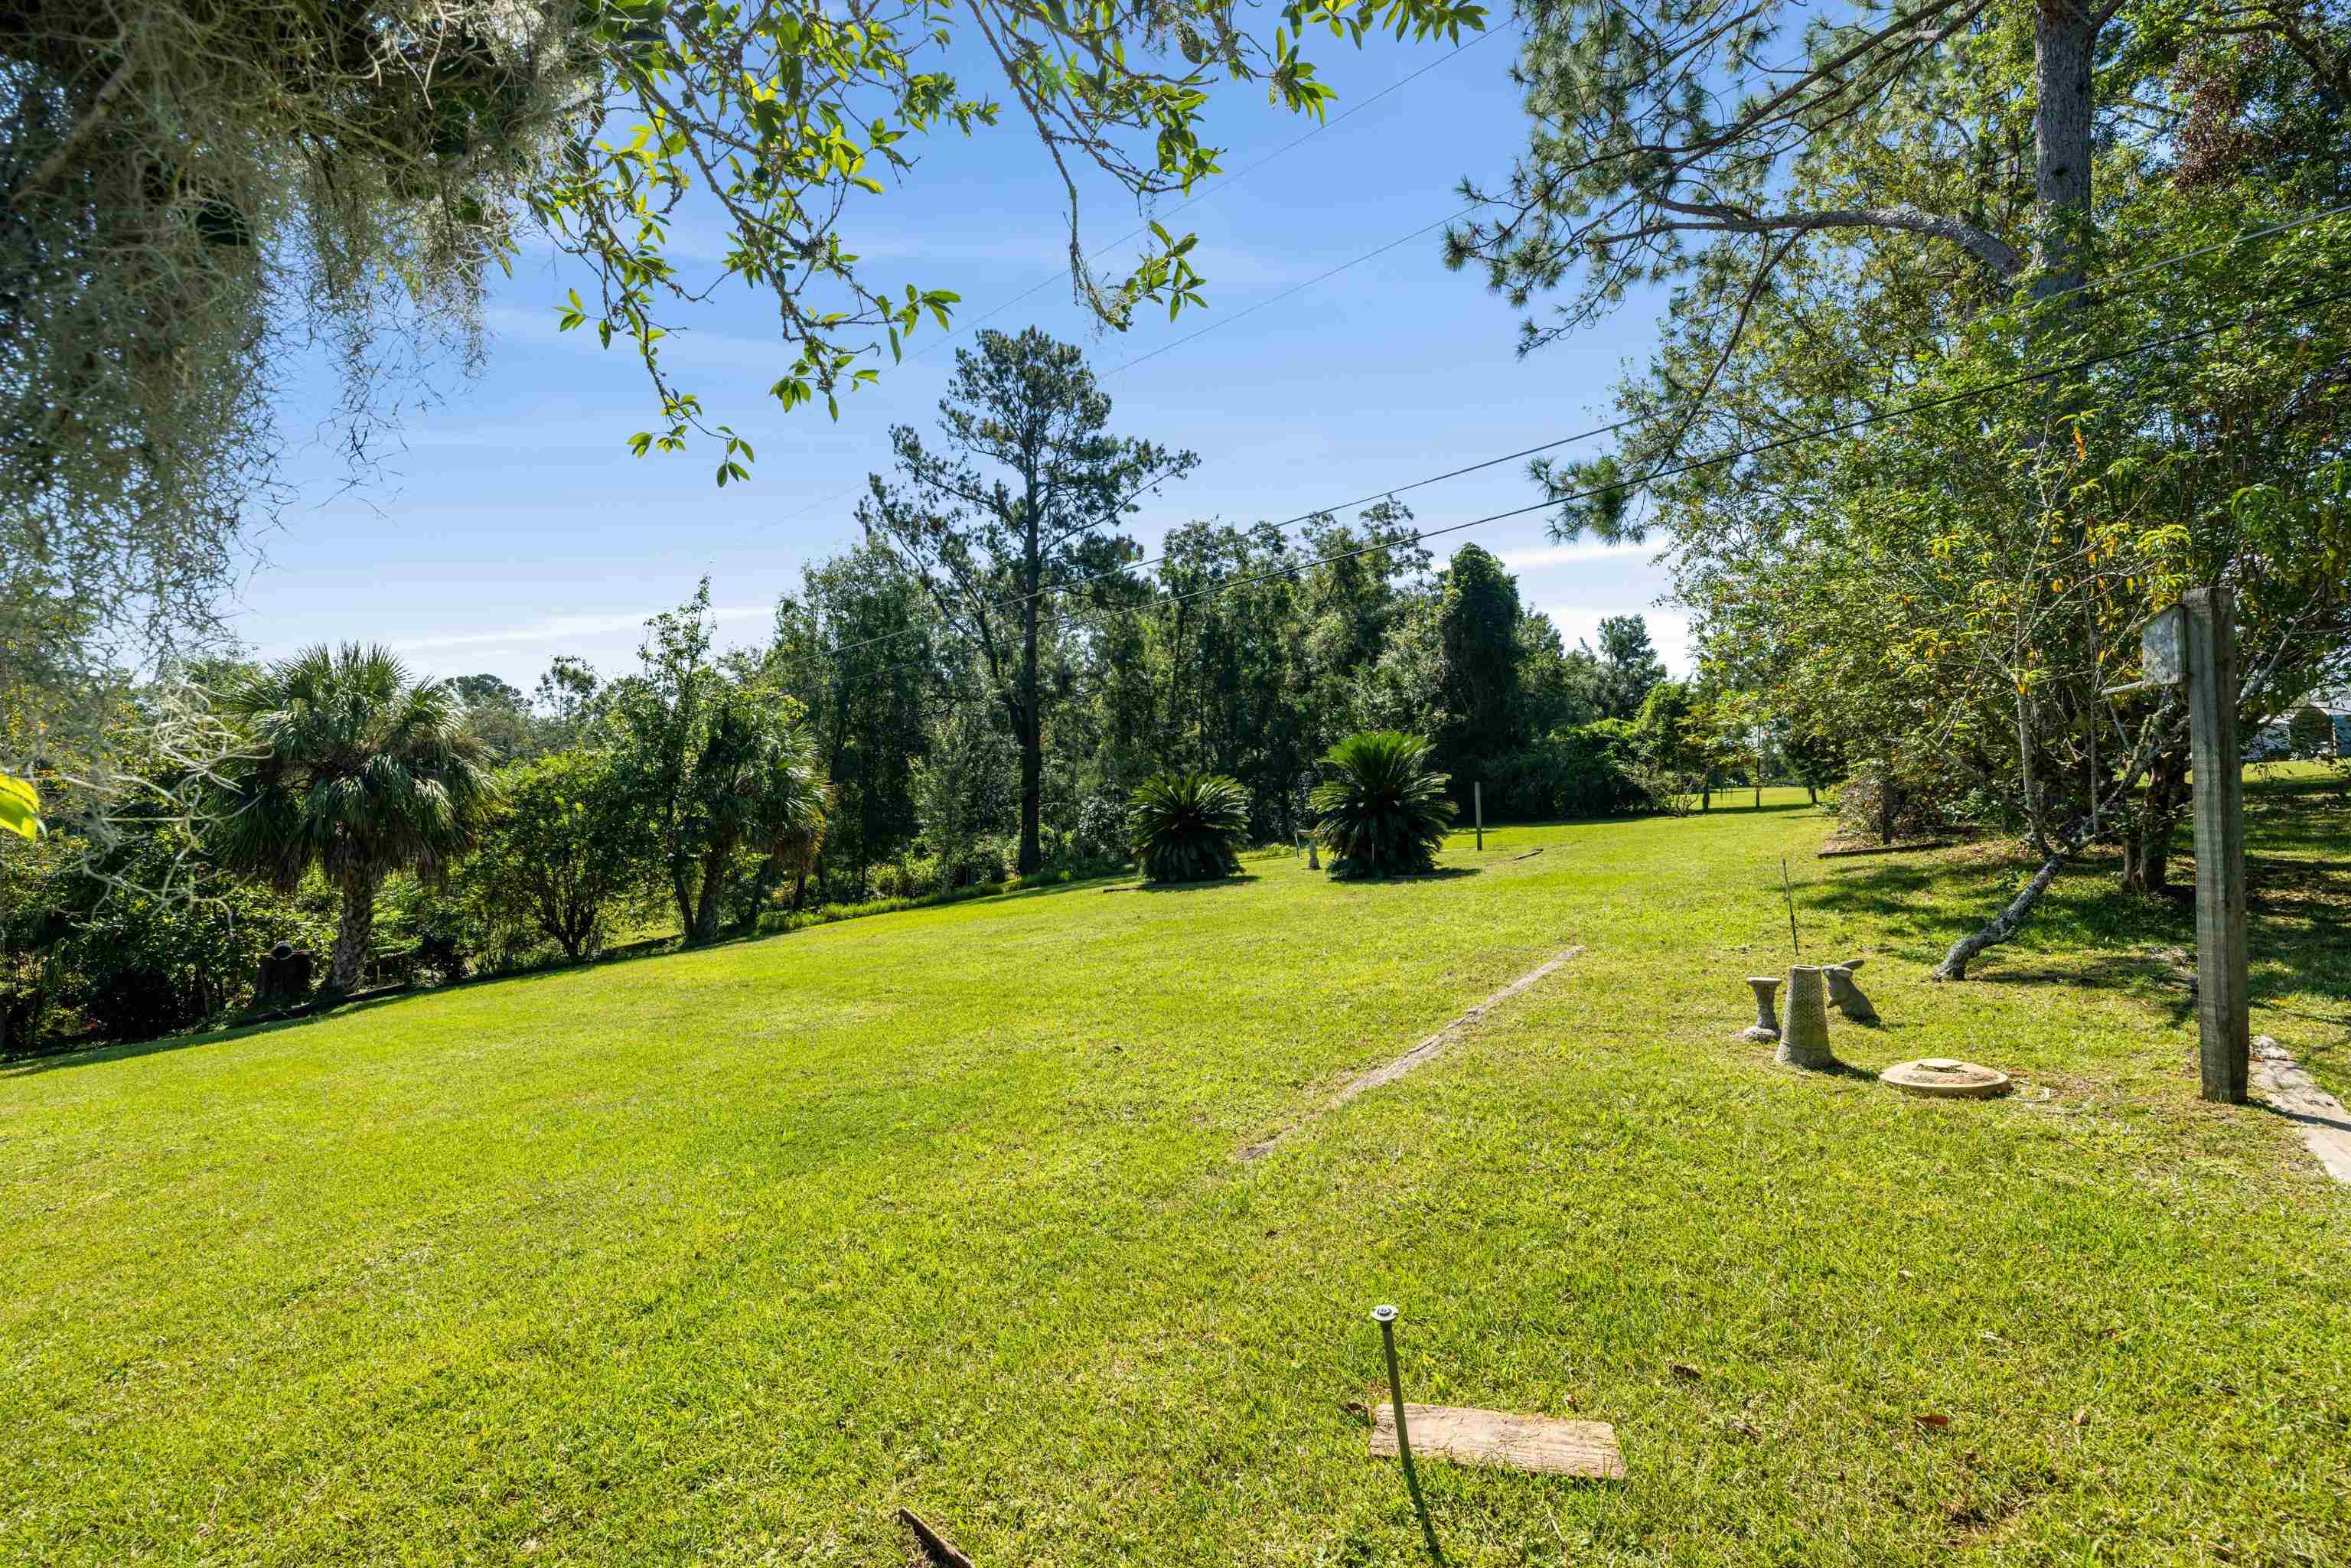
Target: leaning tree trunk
{"type": "Point", "coordinates": [2007, 923]}
{"type": "Point", "coordinates": [354, 933]}
{"type": "Point", "coordinates": [2010, 920]}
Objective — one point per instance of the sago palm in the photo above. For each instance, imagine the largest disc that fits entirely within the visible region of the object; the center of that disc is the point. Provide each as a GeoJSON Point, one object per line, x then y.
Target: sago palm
{"type": "Point", "coordinates": [356, 769]}
{"type": "Point", "coordinates": [1381, 811]}
{"type": "Point", "coordinates": [1188, 827]}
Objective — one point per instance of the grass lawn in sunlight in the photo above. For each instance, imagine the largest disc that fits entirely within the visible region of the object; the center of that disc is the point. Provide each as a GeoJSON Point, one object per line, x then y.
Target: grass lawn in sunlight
{"type": "Point", "coordinates": [720, 1257]}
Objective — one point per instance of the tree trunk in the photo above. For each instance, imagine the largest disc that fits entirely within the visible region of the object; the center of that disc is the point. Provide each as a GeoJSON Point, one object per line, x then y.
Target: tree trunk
{"type": "Point", "coordinates": [2146, 846]}
{"type": "Point", "coordinates": [712, 904]}
{"type": "Point", "coordinates": [2063, 40]}
{"type": "Point", "coordinates": [2010, 921]}
{"type": "Point", "coordinates": [2007, 923]}
{"type": "Point", "coordinates": [681, 889]}
{"type": "Point", "coordinates": [1032, 732]}
{"type": "Point", "coordinates": [761, 888]}
{"type": "Point", "coordinates": [2146, 859]}
{"type": "Point", "coordinates": [1813, 793]}
{"type": "Point", "coordinates": [354, 933]}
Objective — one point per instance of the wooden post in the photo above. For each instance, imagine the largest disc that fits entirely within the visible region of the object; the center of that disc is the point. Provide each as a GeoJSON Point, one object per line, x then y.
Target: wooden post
{"type": "Point", "coordinates": [1477, 794]}
{"type": "Point", "coordinates": [2223, 1025]}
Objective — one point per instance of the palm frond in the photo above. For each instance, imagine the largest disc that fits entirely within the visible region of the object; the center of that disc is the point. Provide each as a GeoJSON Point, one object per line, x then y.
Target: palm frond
{"type": "Point", "coordinates": [1382, 811]}
{"type": "Point", "coordinates": [1188, 827]}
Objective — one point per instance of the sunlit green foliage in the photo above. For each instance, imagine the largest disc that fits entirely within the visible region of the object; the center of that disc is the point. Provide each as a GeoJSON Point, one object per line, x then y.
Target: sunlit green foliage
{"type": "Point", "coordinates": [355, 770]}
{"type": "Point", "coordinates": [715, 755]}
{"type": "Point", "coordinates": [1188, 827]}
{"type": "Point", "coordinates": [564, 849]}
{"type": "Point", "coordinates": [1381, 809]}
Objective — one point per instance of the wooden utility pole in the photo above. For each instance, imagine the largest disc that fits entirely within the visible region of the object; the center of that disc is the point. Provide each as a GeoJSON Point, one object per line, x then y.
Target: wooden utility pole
{"type": "Point", "coordinates": [1477, 794]}
{"type": "Point", "coordinates": [2208, 642]}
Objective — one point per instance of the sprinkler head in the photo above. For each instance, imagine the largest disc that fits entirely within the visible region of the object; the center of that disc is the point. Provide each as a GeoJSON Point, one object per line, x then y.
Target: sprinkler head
{"type": "Point", "coordinates": [1385, 1314]}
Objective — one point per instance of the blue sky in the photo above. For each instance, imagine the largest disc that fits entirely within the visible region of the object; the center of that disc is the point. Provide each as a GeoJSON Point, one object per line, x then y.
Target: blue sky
{"type": "Point", "coordinates": [513, 525]}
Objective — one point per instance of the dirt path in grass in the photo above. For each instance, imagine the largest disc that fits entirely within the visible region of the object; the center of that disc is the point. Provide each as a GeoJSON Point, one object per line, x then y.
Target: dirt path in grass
{"type": "Point", "coordinates": [1420, 1055]}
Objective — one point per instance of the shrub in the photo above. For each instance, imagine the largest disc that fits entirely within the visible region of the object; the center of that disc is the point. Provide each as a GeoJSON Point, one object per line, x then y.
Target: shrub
{"type": "Point", "coordinates": [1383, 811]}
{"type": "Point", "coordinates": [1583, 771]}
{"type": "Point", "coordinates": [84, 958]}
{"type": "Point", "coordinates": [1101, 833]}
{"type": "Point", "coordinates": [1890, 806]}
{"type": "Point", "coordinates": [565, 848]}
{"type": "Point", "coordinates": [1188, 827]}
{"type": "Point", "coordinates": [980, 863]}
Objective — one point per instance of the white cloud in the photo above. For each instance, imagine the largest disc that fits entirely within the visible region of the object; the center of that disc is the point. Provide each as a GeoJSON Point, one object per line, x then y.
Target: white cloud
{"type": "Point", "coordinates": [560, 628]}
{"type": "Point", "coordinates": [1669, 629]}
{"type": "Point", "coordinates": [1566, 555]}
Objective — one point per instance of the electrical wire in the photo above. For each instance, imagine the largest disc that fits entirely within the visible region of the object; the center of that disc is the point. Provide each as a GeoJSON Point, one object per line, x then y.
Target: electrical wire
{"type": "Point", "coordinates": [1842, 427]}
{"type": "Point", "coordinates": [1228, 180]}
{"type": "Point", "coordinates": [1019, 602]}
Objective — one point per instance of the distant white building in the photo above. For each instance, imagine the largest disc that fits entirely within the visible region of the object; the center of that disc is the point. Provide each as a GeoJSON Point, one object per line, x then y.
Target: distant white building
{"type": "Point", "coordinates": [2274, 742]}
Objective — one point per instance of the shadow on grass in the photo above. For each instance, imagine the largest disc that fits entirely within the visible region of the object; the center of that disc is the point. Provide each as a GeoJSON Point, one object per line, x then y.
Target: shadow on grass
{"type": "Point", "coordinates": [637, 952]}
{"type": "Point", "coordinates": [1834, 1069]}
{"type": "Point", "coordinates": [91, 1056]}
{"type": "Point", "coordinates": [1206, 885]}
{"type": "Point", "coordinates": [2089, 932]}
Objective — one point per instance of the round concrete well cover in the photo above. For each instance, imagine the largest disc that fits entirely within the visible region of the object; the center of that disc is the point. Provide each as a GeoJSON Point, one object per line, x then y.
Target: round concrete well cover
{"type": "Point", "coordinates": [1943, 1077]}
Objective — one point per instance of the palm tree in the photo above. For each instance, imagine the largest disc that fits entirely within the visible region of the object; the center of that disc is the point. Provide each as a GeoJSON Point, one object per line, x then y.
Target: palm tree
{"type": "Point", "coordinates": [1188, 827]}
{"type": "Point", "coordinates": [356, 769]}
{"type": "Point", "coordinates": [1383, 810]}
{"type": "Point", "coordinates": [760, 787]}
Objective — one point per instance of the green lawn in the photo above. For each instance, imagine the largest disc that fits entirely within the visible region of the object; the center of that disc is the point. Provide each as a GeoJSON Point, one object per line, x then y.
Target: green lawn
{"type": "Point", "coordinates": [716, 1258]}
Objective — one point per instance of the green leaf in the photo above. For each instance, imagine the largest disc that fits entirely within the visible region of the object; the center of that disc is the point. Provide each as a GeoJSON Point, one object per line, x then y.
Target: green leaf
{"type": "Point", "coordinates": [20, 807]}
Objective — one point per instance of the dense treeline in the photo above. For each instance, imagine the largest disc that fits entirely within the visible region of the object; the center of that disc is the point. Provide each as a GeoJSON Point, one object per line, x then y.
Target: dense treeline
{"type": "Point", "coordinates": [975, 690]}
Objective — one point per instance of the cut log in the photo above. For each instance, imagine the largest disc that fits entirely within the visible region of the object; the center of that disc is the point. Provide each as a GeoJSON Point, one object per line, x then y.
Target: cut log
{"type": "Point", "coordinates": [935, 1549]}
{"type": "Point", "coordinates": [1538, 1443]}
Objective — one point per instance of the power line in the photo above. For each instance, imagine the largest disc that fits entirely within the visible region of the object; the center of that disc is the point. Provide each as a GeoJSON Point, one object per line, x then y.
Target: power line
{"type": "Point", "coordinates": [2163, 264]}
{"type": "Point", "coordinates": [1845, 427]}
{"type": "Point", "coordinates": [1293, 289]}
{"type": "Point", "coordinates": [1018, 600]}
{"type": "Point", "coordinates": [1233, 179]}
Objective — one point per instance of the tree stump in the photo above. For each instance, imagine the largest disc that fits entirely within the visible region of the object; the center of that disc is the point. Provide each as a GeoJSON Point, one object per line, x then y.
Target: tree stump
{"type": "Point", "coordinates": [283, 977]}
{"type": "Point", "coordinates": [1805, 1042]}
{"type": "Point", "coordinates": [1767, 1021]}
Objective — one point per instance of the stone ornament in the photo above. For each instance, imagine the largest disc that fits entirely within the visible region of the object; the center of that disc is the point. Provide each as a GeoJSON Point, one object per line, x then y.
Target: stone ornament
{"type": "Point", "coordinates": [1804, 1043]}
{"type": "Point", "coordinates": [1845, 996]}
{"type": "Point", "coordinates": [1767, 1021]}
